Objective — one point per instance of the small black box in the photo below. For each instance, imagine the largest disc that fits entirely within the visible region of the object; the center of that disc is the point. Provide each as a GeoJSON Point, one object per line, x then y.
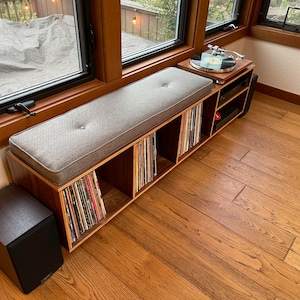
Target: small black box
{"type": "Point", "coordinates": [30, 248]}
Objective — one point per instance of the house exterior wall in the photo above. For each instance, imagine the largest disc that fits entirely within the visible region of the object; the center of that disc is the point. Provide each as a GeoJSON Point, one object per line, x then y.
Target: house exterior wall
{"type": "Point", "coordinates": [46, 8]}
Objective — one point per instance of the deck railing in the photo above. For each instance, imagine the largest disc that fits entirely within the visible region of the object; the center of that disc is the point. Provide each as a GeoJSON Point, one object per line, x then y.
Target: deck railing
{"type": "Point", "coordinates": [17, 10]}
{"type": "Point", "coordinates": [24, 10]}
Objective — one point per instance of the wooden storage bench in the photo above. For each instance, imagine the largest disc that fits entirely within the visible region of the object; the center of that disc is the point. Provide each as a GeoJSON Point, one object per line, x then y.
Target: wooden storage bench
{"type": "Point", "coordinates": [90, 163]}
{"type": "Point", "coordinates": [123, 142]}
{"type": "Point", "coordinates": [64, 147]}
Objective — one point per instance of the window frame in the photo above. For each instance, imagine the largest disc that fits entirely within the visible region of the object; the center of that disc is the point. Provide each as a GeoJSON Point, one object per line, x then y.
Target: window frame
{"type": "Point", "coordinates": [264, 21]}
{"type": "Point", "coordinates": [163, 47]}
{"type": "Point", "coordinates": [83, 20]}
{"type": "Point", "coordinates": [267, 33]}
{"type": "Point", "coordinates": [222, 26]}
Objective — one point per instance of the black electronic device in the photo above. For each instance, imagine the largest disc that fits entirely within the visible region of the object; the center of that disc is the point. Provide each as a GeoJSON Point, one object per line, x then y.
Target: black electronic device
{"type": "Point", "coordinates": [30, 249]}
{"type": "Point", "coordinates": [224, 115]}
{"type": "Point", "coordinates": [233, 89]}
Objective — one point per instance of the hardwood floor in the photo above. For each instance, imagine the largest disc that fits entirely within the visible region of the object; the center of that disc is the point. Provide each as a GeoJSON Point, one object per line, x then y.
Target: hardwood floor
{"type": "Point", "coordinates": [224, 224]}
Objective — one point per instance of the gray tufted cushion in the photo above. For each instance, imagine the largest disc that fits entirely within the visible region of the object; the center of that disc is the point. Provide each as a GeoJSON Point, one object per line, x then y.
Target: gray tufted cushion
{"type": "Point", "coordinates": [67, 145]}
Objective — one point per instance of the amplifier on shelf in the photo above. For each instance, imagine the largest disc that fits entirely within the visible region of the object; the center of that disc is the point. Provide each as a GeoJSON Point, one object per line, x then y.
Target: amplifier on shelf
{"type": "Point", "coordinates": [225, 115]}
{"type": "Point", "coordinates": [233, 89]}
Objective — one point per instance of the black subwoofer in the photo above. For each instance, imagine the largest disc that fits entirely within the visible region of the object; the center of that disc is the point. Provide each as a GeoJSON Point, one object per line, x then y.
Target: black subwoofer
{"type": "Point", "coordinates": [30, 248]}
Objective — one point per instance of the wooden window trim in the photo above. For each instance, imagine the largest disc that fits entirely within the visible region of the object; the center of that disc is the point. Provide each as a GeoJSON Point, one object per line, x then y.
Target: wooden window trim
{"type": "Point", "coordinates": [275, 35]}
{"type": "Point", "coordinates": [267, 33]}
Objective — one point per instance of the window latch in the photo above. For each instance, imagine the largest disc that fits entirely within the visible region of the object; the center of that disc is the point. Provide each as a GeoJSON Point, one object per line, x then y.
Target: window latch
{"type": "Point", "coordinates": [230, 27]}
{"type": "Point", "coordinates": [22, 106]}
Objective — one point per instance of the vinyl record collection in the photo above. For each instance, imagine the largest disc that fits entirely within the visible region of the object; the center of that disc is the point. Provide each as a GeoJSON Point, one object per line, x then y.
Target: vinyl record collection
{"type": "Point", "coordinates": [84, 204]}
{"type": "Point", "coordinates": [146, 161]}
{"type": "Point", "coordinates": [191, 128]}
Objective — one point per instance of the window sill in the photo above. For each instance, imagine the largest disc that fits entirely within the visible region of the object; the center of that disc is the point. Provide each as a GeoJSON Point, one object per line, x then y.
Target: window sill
{"type": "Point", "coordinates": [156, 63]}
{"type": "Point", "coordinates": [275, 35]}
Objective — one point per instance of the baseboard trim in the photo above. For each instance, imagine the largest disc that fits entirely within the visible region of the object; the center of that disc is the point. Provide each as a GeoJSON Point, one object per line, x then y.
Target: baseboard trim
{"type": "Point", "coordinates": [277, 93]}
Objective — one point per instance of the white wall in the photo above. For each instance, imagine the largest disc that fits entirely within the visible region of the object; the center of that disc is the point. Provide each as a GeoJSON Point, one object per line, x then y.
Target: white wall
{"type": "Point", "coordinates": [238, 46]}
{"type": "Point", "coordinates": [276, 65]}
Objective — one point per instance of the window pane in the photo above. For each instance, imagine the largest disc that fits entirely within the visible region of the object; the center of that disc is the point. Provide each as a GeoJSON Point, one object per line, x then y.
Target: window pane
{"type": "Point", "coordinates": [39, 45]}
{"type": "Point", "coordinates": [221, 12]}
{"type": "Point", "coordinates": [278, 9]}
{"type": "Point", "coordinates": [150, 25]}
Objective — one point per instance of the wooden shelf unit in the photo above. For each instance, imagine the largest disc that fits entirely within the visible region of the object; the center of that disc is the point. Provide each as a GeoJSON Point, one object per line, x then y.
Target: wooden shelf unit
{"type": "Point", "coordinates": [117, 174]}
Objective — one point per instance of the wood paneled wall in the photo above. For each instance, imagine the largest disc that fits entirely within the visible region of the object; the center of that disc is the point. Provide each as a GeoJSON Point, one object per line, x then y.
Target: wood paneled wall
{"type": "Point", "coordinates": [48, 7]}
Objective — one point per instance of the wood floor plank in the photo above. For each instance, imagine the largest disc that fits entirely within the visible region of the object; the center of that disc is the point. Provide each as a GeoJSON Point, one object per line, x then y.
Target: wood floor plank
{"type": "Point", "coordinates": [292, 118]}
{"type": "Point", "coordinates": [138, 268]}
{"type": "Point", "coordinates": [208, 178]}
{"type": "Point", "coordinates": [191, 190]}
{"type": "Point", "coordinates": [281, 125]}
{"type": "Point", "coordinates": [284, 171]}
{"type": "Point", "coordinates": [263, 140]}
{"type": "Point", "coordinates": [48, 290]}
{"type": "Point", "coordinates": [293, 256]}
{"type": "Point", "coordinates": [83, 277]}
{"type": "Point", "coordinates": [275, 102]}
{"type": "Point", "coordinates": [250, 260]}
{"type": "Point", "coordinates": [293, 259]}
{"type": "Point", "coordinates": [254, 178]}
{"type": "Point", "coordinates": [181, 254]}
{"type": "Point", "coordinates": [275, 212]}
{"type": "Point", "coordinates": [266, 108]}
{"type": "Point", "coordinates": [296, 245]}
{"type": "Point", "coordinates": [225, 146]}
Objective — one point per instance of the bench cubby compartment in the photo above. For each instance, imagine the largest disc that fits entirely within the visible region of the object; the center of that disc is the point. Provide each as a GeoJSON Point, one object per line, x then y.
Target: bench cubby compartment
{"type": "Point", "coordinates": [230, 110]}
{"type": "Point", "coordinates": [201, 126]}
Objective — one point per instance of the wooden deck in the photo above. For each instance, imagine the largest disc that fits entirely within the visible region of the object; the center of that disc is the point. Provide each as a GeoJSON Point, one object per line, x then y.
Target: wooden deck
{"type": "Point", "coordinates": [223, 225]}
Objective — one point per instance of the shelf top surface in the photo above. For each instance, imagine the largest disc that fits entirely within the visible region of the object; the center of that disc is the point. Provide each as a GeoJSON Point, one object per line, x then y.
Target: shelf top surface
{"type": "Point", "coordinates": [221, 78]}
{"type": "Point", "coordinates": [19, 212]}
